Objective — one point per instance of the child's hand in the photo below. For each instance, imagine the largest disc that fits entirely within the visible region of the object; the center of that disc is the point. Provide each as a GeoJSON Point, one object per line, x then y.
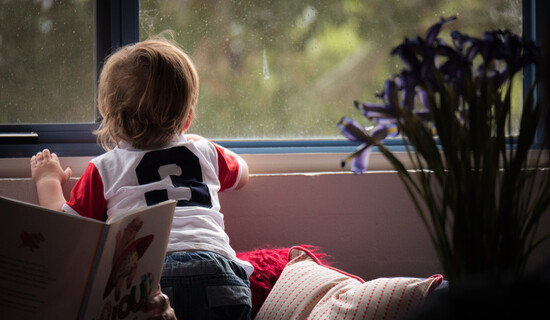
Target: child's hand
{"type": "Point", "coordinates": [45, 165]}
{"type": "Point", "coordinates": [159, 307]}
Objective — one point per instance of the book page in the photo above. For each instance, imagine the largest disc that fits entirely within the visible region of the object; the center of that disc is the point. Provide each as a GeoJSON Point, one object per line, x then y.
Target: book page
{"type": "Point", "coordinates": [131, 263]}
{"type": "Point", "coordinates": [45, 261]}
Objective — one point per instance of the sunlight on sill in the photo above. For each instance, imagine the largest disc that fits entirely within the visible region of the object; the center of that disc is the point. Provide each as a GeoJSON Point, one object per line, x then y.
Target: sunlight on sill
{"type": "Point", "coordinates": [259, 164]}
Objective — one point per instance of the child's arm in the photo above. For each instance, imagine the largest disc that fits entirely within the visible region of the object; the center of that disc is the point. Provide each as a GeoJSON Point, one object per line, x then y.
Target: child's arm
{"type": "Point", "coordinates": [49, 177]}
{"type": "Point", "coordinates": [242, 163]}
{"type": "Point", "coordinates": [244, 170]}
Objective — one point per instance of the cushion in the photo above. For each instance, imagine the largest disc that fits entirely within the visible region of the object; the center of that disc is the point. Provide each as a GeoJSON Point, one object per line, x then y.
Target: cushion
{"type": "Point", "coordinates": [269, 263]}
{"type": "Point", "coordinates": [309, 289]}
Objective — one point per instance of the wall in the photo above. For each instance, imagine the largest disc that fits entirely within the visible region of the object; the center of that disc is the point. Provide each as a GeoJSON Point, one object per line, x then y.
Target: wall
{"type": "Point", "coordinates": [366, 223]}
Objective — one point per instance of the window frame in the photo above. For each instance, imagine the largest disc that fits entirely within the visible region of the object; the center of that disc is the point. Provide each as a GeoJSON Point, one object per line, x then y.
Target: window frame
{"type": "Point", "coordinates": [117, 24]}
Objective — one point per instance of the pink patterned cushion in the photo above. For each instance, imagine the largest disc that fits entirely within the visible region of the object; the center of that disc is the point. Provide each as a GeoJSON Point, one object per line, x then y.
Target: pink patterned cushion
{"type": "Point", "coordinates": [268, 265]}
{"type": "Point", "coordinates": [308, 289]}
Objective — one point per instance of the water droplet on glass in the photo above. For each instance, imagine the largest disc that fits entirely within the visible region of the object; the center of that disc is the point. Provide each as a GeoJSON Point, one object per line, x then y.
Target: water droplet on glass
{"type": "Point", "coordinates": [265, 66]}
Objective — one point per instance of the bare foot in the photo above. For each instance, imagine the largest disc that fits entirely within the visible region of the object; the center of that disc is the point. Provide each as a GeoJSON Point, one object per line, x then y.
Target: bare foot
{"type": "Point", "coordinates": [45, 165]}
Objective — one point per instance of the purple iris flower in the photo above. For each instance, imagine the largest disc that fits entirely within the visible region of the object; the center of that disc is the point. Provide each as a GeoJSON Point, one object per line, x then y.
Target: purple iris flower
{"type": "Point", "coordinates": [355, 132]}
{"type": "Point", "coordinates": [434, 69]}
{"type": "Point", "coordinates": [359, 164]}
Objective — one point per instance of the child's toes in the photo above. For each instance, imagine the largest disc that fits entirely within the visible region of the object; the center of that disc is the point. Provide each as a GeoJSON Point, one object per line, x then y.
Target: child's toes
{"type": "Point", "coordinates": [46, 154]}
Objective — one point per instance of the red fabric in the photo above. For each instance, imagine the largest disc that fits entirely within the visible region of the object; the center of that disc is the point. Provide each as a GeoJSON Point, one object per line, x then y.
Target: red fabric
{"type": "Point", "coordinates": [87, 197]}
{"type": "Point", "coordinates": [268, 265]}
{"type": "Point", "coordinates": [228, 168]}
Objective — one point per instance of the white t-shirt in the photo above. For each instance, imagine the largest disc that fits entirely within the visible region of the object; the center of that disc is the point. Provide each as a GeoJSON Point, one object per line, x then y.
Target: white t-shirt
{"type": "Point", "coordinates": [191, 172]}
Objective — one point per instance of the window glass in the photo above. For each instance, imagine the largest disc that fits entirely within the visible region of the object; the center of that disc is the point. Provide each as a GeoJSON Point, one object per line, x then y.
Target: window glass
{"type": "Point", "coordinates": [46, 61]}
{"type": "Point", "coordinates": [291, 69]}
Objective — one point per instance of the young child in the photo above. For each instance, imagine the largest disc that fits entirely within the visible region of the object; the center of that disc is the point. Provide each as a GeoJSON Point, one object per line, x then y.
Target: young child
{"type": "Point", "coordinates": [147, 95]}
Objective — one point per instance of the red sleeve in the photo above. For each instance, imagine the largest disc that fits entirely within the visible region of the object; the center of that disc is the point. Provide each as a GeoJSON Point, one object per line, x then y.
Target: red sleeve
{"type": "Point", "coordinates": [228, 169]}
{"type": "Point", "coordinates": [87, 196]}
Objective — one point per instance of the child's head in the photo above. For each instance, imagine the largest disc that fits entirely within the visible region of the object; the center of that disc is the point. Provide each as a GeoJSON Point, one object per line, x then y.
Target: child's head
{"type": "Point", "coordinates": [147, 94]}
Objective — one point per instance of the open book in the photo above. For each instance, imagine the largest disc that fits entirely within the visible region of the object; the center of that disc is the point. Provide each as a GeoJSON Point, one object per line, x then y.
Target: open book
{"type": "Point", "coordinates": [55, 265]}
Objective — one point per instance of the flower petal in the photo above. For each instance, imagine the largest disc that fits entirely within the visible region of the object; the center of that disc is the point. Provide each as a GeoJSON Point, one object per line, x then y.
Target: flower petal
{"type": "Point", "coordinates": [407, 55]}
{"type": "Point", "coordinates": [426, 116]}
{"type": "Point", "coordinates": [359, 164]}
{"type": "Point", "coordinates": [391, 95]}
{"type": "Point", "coordinates": [425, 99]}
{"type": "Point", "coordinates": [372, 110]}
{"type": "Point", "coordinates": [433, 31]}
{"type": "Point", "coordinates": [352, 130]}
{"type": "Point", "coordinates": [379, 132]}
{"type": "Point", "coordinates": [392, 130]}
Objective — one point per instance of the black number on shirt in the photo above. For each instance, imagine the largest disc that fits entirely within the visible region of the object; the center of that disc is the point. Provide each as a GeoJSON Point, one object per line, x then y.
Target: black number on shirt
{"type": "Point", "coordinates": [191, 176]}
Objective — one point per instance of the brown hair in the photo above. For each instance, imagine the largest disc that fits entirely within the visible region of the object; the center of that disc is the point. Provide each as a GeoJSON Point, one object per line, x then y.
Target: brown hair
{"type": "Point", "coordinates": [147, 94]}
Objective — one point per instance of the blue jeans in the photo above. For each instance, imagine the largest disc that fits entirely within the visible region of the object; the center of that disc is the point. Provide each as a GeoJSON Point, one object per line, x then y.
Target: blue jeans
{"type": "Point", "coordinates": [206, 285]}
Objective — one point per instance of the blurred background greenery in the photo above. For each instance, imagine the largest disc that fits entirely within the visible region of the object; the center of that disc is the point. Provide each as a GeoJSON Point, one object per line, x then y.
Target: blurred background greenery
{"type": "Point", "coordinates": [281, 69]}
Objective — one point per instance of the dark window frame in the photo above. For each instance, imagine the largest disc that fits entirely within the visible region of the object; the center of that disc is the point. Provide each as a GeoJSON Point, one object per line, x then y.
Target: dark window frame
{"type": "Point", "coordinates": [117, 24]}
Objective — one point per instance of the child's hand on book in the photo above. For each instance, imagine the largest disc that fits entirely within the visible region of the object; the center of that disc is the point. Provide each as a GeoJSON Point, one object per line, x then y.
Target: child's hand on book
{"type": "Point", "coordinates": [159, 306]}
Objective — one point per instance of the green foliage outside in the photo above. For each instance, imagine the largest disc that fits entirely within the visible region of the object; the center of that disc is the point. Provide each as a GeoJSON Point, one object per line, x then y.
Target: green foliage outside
{"type": "Point", "coordinates": [269, 69]}
{"type": "Point", "coordinates": [46, 61]}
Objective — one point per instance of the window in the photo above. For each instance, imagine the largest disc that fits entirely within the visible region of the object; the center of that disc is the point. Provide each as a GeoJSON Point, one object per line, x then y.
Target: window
{"type": "Point", "coordinates": [46, 61]}
{"type": "Point", "coordinates": [292, 69]}
{"type": "Point", "coordinates": [272, 74]}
